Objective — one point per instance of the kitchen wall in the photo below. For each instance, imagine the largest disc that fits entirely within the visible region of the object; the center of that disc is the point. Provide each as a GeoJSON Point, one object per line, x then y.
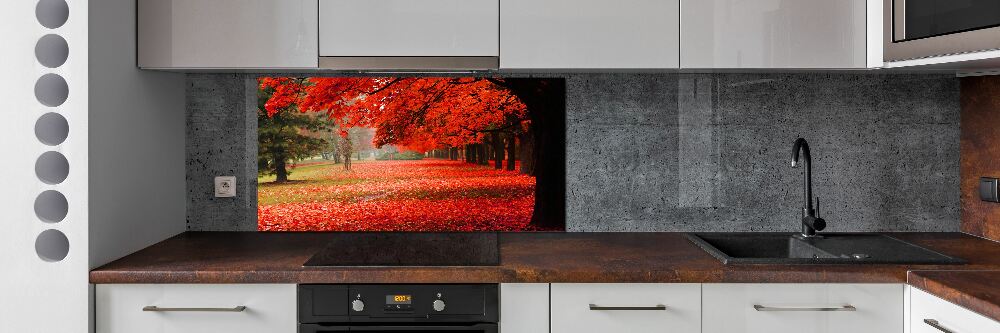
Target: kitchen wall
{"type": "Point", "coordinates": [980, 153]}
{"type": "Point", "coordinates": [683, 152]}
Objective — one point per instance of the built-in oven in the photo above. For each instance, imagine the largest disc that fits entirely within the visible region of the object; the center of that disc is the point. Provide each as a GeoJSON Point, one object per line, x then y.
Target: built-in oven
{"type": "Point", "coordinates": [376, 308]}
{"type": "Point", "coordinates": [916, 29]}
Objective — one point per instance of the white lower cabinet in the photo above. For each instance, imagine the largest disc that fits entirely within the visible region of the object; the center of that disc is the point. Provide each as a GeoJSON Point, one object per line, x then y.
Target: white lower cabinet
{"type": "Point", "coordinates": [634, 308]}
{"type": "Point", "coordinates": [524, 308]}
{"type": "Point", "coordinates": [930, 314]}
{"type": "Point", "coordinates": [803, 308]}
{"type": "Point", "coordinates": [180, 308]}
{"type": "Point", "coordinates": [570, 308]}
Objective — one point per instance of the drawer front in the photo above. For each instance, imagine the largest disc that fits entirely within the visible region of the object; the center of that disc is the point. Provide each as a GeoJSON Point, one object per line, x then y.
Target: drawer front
{"type": "Point", "coordinates": [946, 315]}
{"type": "Point", "coordinates": [634, 308]}
{"type": "Point", "coordinates": [269, 308]}
{"type": "Point", "coordinates": [803, 308]}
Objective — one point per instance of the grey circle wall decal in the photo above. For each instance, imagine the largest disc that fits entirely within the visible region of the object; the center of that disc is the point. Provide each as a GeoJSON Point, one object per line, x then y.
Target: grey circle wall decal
{"type": "Point", "coordinates": [52, 245]}
{"type": "Point", "coordinates": [51, 129]}
{"type": "Point", "coordinates": [52, 13]}
{"type": "Point", "coordinates": [51, 206]}
{"type": "Point", "coordinates": [51, 90]}
{"type": "Point", "coordinates": [51, 51]}
{"type": "Point", "coordinates": [52, 167]}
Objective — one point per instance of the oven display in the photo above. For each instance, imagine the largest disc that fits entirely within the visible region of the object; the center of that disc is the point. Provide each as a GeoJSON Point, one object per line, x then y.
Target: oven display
{"type": "Point", "coordinates": [398, 299]}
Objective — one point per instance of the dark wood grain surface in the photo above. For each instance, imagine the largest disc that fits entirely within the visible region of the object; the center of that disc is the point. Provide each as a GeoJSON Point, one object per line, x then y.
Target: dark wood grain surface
{"type": "Point", "coordinates": [978, 291]}
{"type": "Point", "coordinates": [980, 149]}
{"type": "Point", "coordinates": [251, 257]}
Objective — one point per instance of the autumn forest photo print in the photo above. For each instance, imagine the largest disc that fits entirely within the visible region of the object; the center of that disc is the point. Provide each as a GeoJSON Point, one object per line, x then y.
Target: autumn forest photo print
{"type": "Point", "coordinates": [411, 154]}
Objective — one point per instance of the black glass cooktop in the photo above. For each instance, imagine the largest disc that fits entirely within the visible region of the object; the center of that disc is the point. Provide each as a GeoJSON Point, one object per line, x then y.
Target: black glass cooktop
{"type": "Point", "coordinates": [408, 249]}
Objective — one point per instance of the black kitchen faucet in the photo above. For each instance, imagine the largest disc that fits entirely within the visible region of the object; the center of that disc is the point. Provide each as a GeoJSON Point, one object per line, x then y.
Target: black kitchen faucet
{"type": "Point", "coordinates": [810, 221]}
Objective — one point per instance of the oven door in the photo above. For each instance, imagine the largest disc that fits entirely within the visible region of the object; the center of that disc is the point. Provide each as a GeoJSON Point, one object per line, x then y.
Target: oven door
{"type": "Point", "coordinates": [914, 29]}
{"type": "Point", "coordinates": [474, 328]}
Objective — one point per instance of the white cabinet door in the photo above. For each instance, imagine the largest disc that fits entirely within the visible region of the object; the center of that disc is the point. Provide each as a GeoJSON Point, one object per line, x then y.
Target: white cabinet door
{"type": "Point", "coordinates": [927, 310]}
{"type": "Point", "coordinates": [524, 308]}
{"type": "Point", "coordinates": [633, 308]}
{"type": "Point", "coordinates": [270, 308]}
{"type": "Point", "coordinates": [585, 34]}
{"type": "Point", "coordinates": [409, 28]}
{"type": "Point", "coordinates": [227, 33]}
{"type": "Point", "coordinates": [780, 308]}
{"type": "Point", "coordinates": [774, 34]}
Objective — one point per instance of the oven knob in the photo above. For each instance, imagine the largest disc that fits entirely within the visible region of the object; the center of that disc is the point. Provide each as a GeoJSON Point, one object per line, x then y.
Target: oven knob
{"type": "Point", "coordinates": [438, 305]}
{"type": "Point", "coordinates": [358, 305]}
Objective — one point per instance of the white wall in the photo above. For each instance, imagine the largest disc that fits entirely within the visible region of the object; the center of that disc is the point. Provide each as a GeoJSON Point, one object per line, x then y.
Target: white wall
{"type": "Point", "coordinates": [38, 295]}
{"type": "Point", "coordinates": [125, 150]}
{"type": "Point", "coordinates": [137, 186]}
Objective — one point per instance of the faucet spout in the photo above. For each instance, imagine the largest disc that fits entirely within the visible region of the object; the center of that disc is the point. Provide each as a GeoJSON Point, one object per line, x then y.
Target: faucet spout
{"type": "Point", "coordinates": [810, 222]}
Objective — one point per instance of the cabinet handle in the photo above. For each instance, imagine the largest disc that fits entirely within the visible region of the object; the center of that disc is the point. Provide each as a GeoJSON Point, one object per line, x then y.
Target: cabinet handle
{"type": "Point", "coordinates": [759, 307]}
{"type": "Point", "coordinates": [159, 309]}
{"type": "Point", "coordinates": [935, 324]}
{"type": "Point", "coordinates": [596, 307]}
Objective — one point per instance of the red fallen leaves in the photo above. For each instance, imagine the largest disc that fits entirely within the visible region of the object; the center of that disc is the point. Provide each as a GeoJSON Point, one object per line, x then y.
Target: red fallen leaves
{"type": "Point", "coordinates": [425, 195]}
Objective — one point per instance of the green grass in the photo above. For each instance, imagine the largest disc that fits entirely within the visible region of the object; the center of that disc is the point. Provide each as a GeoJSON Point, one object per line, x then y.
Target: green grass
{"type": "Point", "coordinates": [304, 177]}
{"type": "Point", "coordinates": [309, 172]}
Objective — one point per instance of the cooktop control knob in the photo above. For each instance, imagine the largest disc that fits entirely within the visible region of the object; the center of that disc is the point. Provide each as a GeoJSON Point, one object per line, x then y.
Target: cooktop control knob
{"type": "Point", "coordinates": [358, 305]}
{"type": "Point", "coordinates": [438, 305]}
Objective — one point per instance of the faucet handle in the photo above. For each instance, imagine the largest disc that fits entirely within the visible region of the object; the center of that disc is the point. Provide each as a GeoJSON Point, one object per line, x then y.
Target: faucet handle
{"type": "Point", "coordinates": [817, 206]}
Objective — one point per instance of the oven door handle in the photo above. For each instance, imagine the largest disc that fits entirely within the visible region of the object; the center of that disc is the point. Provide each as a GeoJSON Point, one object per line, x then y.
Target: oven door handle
{"type": "Point", "coordinates": [484, 328]}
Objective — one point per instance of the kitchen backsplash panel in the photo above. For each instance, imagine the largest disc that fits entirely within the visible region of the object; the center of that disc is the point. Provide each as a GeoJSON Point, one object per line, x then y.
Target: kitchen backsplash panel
{"type": "Point", "coordinates": [682, 152]}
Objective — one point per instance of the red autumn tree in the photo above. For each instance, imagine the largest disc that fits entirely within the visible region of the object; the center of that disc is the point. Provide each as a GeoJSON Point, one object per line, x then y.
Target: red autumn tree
{"type": "Point", "coordinates": [481, 117]}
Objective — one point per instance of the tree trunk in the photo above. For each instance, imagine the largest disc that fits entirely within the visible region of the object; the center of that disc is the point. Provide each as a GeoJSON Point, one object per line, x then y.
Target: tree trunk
{"type": "Point", "coordinates": [511, 143]}
{"type": "Point", "coordinates": [280, 173]}
{"type": "Point", "coordinates": [486, 153]}
{"type": "Point", "coordinates": [497, 151]}
{"type": "Point", "coordinates": [546, 105]}
{"type": "Point", "coordinates": [527, 156]}
{"type": "Point", "coordinates": [484, 157]}
{"type": "Point", "coordinates": [346, 151]}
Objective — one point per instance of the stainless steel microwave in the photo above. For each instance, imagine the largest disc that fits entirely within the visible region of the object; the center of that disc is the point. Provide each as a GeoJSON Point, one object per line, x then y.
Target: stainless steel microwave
{"type": "Point", "coordinates": [916, 29]}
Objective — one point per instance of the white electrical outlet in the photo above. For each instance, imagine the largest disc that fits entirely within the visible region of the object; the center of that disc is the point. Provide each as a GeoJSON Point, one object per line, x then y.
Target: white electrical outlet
{"type": "Point", "coordinates": [225, 186]}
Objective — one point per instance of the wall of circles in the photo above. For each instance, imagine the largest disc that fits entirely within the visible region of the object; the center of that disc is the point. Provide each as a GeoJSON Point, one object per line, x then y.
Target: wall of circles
{"type": "Point", "coordinates": [51, 129]}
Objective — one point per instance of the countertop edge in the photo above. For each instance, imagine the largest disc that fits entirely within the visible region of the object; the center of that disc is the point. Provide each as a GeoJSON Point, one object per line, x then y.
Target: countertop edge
{"type": "Point", "coordinates": [935, 282]}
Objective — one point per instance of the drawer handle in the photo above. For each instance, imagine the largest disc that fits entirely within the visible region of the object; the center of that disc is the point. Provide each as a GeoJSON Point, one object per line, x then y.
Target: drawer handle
{"type": "Point", "coordinates": [935, 324]}
{"type": "Point", "coordinates": [154, 308]}
{"type": "Point", "coordinates": [759, 307]}
{"type": "Point", "coordinates": [596, 307]}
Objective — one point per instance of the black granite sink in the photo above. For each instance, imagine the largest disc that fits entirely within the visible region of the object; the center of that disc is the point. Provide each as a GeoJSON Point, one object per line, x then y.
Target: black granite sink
{"type": "Point", "coordinates": [835, 248]}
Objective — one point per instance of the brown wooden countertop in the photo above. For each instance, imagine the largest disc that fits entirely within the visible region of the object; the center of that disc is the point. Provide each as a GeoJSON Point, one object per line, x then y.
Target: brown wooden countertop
{"type": "Point", "coordinates": [257, 257]}
{"type": "Point", "coordinates": [978, 291]}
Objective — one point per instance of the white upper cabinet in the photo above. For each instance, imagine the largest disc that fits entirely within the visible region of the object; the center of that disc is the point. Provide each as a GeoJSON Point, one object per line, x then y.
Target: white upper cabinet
{"type": "Point", "coordinates": [780, 34]}
{"type": "Point", "coordinates": [596, 34]}
{"type": "Point", "coordinates": [227, 33]}
{"type": "Point", "coordinates": [409, 28]}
